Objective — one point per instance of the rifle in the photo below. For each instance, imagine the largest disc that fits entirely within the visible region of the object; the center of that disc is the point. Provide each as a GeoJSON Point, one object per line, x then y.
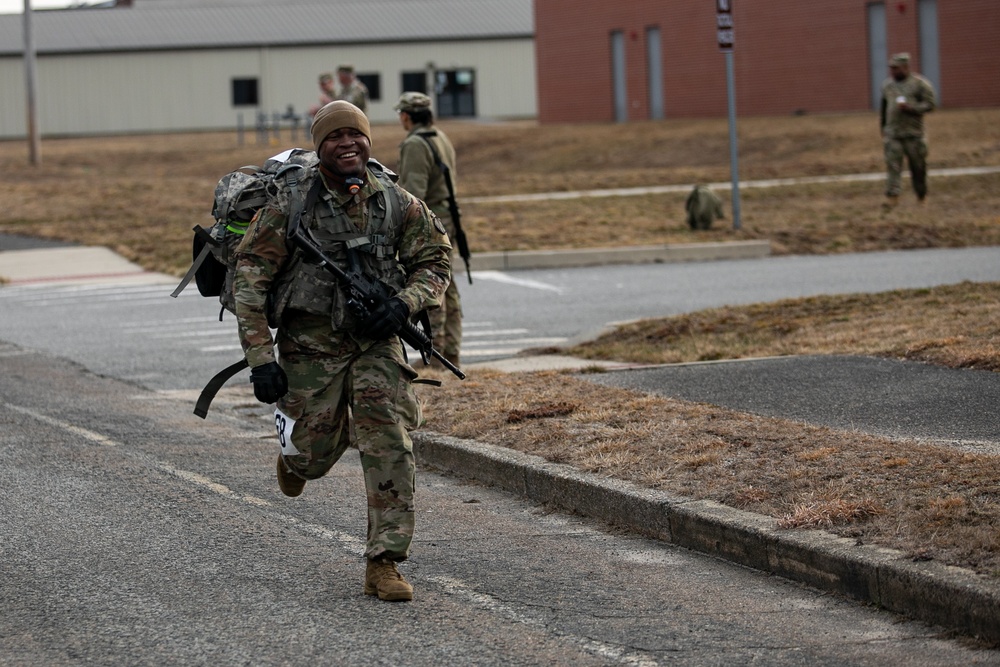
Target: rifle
{"type": "Point", "coordinates": [365, 294]}
{"type": "Point", "coordinates": [463, 244]}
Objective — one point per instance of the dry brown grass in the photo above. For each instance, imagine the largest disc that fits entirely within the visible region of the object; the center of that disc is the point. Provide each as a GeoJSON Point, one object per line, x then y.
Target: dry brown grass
{"type": "Point", "coordinates": [931, 502]}
{"type": "Point", "coordinates": [953, 325]}
{"type": "Point", "coordinates": [141, 195]}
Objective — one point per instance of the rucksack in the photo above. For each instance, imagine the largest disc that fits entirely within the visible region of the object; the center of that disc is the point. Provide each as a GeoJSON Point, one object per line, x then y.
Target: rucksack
{"type": "Point", "coordinates": [703, 207]}
{"type": "Point", "coordinates": [238, 196]}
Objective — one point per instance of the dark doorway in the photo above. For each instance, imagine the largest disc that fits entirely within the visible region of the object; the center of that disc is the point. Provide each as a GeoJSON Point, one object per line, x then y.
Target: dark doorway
{"type": "Point", "coordinates": [456, 93]}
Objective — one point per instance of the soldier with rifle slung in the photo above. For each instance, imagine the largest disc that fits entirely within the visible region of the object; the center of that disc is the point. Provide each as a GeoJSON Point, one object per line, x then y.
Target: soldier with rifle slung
{"type": "Point", "coordinates": [427, 170]}
{"type": "Point", "coordinates": [340, 375]}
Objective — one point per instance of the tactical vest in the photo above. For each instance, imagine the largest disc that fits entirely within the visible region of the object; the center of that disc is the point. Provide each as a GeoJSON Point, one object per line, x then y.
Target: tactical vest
{"type": "Point", "coordinates": [308, 287]}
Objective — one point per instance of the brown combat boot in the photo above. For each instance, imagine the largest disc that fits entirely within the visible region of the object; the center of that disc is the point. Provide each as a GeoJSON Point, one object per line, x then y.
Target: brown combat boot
{"type": "Point", "coordinates": [382, 578]}
{"type": "Point", "coordinates": [891, 202]}
{"type": "Point", "coordinates": [290, 484]}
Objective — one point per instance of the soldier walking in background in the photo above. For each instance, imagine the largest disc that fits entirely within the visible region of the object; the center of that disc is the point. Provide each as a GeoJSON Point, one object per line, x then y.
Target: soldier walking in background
{"type": "Point", "coordinates": [351, 89]}
{"type": "Point", "coordinates": [327, 93]}
{"type": "Point", "coordinates": [421, 176]}
{"type": "Point", "coordinates": [906, 97]}
{"type": "Point", "coordinates": [340, 379]}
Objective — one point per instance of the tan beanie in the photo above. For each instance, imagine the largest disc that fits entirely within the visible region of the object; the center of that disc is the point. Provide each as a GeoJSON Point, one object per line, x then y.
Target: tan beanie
{"type": "Point", "coordinates": [336, 115]}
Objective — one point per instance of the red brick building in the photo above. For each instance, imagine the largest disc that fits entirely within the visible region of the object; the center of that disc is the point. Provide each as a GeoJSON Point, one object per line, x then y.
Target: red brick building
{"type": "Point", "coordinates": [601, 61]}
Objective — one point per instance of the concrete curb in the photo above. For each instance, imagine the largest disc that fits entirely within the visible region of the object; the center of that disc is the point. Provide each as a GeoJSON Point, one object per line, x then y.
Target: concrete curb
{"type": "Point", "coordinates": [680, 252]}
{"type": "Point", "coordinates": [950, 597]}
{"type": "Point", "coordinates": [718, 185]}
{"type": "Point", "coordinates": [22, 264]}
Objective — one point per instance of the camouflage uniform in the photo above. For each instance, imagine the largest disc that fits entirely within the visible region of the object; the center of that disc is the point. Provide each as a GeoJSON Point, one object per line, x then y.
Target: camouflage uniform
{"type": "Point", "coordinates": [420, 176]}
{"type": "Point", "coordinates": [343, 388]}
{"type": "Point", "coordinates": [356, 93]}
{"type": "Point", "coordinates": [903, 131]}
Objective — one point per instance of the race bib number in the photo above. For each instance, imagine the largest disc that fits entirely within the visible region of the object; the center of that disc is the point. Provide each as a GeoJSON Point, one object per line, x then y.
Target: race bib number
{"type": "Point", "coordinates": [284, 425]}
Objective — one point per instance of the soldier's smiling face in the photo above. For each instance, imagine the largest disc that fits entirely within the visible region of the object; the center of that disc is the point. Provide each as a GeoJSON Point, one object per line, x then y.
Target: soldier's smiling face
{"type": "Point", "coordinates": [345, 152]}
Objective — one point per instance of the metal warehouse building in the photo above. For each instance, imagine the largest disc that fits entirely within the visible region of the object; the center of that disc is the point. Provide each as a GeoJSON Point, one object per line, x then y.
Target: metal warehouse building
{"type": "Point", "coordinates": [178, 65]}
{"type": "Point", "coordinates": [650, 59]}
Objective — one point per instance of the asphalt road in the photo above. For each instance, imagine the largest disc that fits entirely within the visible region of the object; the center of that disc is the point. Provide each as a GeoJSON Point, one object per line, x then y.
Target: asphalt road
{"type": "Point", "coordinates": [880, 396]}
{"type": "Point", "coordinates": [135, 533]}
{"type": "Point", "coordinates": [576, 303]}
{"type": "Point", "coordinates": [137, 332]}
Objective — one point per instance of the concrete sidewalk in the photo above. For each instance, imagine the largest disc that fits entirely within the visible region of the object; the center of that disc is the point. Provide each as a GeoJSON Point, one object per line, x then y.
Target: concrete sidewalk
{"type": "Point", "coordinates": [61, 264]}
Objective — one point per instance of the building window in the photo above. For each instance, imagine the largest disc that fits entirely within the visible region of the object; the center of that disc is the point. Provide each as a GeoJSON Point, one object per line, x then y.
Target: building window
{"type": "Point", "coordinates": [415, 82]}
{"type": "Point", "coordinates": [245, 93]}
{"type": "Point", "coordinates": [373, 82]}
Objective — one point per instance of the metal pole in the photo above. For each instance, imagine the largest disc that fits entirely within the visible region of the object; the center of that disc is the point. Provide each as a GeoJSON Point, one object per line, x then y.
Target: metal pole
{"type": "Point", "coordinates": [30, 80]}
{"type": "Point", "coordinates": [734, 168]}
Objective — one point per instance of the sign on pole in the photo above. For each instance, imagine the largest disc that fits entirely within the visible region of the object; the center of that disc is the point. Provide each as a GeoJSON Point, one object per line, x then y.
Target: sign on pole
{"type": "Point", "coordinates": [724, 30]}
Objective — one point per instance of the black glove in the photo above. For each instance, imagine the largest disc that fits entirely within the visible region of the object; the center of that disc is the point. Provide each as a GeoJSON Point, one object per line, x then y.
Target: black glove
{"type": "Point", "coordinates": [386, 320]}
{"type": "Point", "coordinates": [269, 382]}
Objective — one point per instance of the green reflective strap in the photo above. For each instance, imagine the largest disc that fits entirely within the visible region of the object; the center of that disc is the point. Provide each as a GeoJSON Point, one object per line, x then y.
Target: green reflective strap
{"type": "Point", "coordinates": [237, 227]}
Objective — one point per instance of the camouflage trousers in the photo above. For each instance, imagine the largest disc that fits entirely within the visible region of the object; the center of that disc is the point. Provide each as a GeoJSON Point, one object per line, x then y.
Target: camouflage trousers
{"type": "Point", "coordinates": [446, 323]}
{"type": "Point", "coordinates": [340, 392]}
{"type": "Point", "coordinates": [914, 149]}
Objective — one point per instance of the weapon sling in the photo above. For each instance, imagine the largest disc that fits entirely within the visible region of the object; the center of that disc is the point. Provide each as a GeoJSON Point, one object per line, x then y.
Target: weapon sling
{"type": "Point", "coordinates": [463, 243]}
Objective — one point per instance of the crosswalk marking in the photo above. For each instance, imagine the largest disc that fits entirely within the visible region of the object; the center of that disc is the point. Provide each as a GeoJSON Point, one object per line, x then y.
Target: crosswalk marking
{"type": "Point", "coordinates": [207, 335]}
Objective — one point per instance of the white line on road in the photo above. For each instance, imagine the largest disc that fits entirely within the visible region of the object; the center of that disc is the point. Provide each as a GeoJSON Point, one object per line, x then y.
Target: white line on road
{"type": "Point", "coordinates": [193, 334]}
{"type": "Point", "coordinates": [497, 351]}
{"type": "Point", "coordinates": [500, 277]}
{"type": "Point", "coordinates": [515, 341]}
{"type": "Point", "coordinates": [492, 332]}
{"type": "Point", "coordinates": [356, 546]}
{"type": "Point", "coordinates": [86, 434]}
{"type": "Point", "coordinates": [160, 325]}
{"type": "Point", "coordinates": [222, 348]}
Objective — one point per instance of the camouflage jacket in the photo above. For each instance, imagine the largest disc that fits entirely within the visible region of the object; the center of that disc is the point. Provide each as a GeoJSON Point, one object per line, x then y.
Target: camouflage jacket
{"type": "Point", "coordinates": [419, 173]}
{"type": "Point", "coordinates": [421, 251]}
{"type": "Point", "coordinates": [920, 96]}
{"type": "Point", "coordinates": [356, 93]}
